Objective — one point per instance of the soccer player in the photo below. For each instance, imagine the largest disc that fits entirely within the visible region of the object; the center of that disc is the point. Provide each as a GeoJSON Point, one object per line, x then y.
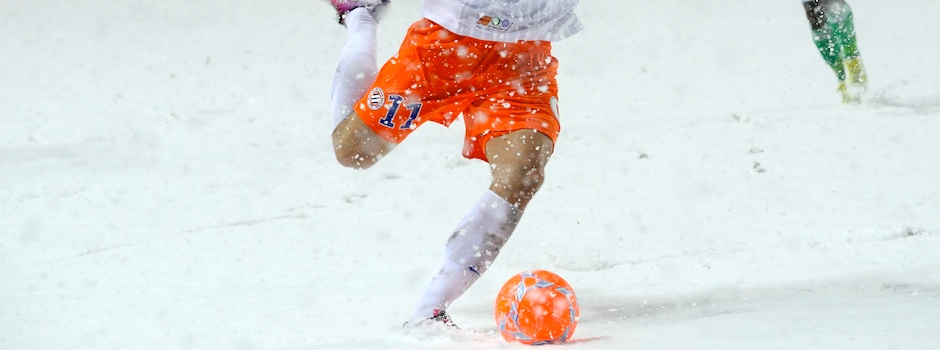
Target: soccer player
{"type": "Point", "coordinates": [489, 61]}
{"type": "Point", "coordinates": [834, 34]}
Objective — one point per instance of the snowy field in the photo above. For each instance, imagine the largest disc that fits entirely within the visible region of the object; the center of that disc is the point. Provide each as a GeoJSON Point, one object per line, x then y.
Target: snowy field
{"type": "Point", "coordinates": [167, 182]}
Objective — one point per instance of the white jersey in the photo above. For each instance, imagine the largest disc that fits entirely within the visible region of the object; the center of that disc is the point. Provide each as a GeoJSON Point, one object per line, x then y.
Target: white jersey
{"type": "Point", "coordinates": [506, 20]}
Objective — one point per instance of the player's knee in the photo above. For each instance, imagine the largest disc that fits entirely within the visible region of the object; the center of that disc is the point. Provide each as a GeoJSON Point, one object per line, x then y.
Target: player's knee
{"type": "Point", "coordinates": [531, 177]}
{"type": "Point", "coordinates": [532, 181]}
{"type": "Point", "coordinates": [523, 180]}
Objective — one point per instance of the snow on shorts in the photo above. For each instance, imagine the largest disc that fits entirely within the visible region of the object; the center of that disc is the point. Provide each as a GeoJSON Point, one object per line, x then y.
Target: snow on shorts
{"type": "Point", "coordinates": [438, 75]}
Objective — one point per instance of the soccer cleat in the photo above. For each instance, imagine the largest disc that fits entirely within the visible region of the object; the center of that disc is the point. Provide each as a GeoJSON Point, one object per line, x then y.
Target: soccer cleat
{"type": "Point", "coordinates": [438, 317]}
{"type": "Point", "coordinates": [856, 81]}
{"type": "Point", "coordinates": [343, 7]}
{"type": "Point", "coordinates": [442, 317]}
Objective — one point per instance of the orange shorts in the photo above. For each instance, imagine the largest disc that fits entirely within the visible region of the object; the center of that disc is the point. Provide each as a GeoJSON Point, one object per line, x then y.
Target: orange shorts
{"type": "Point", "coordinates": [438, 75]}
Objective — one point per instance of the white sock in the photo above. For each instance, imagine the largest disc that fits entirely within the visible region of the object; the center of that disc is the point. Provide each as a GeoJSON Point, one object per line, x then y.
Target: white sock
{"type": "Point", "coordinates": [357, 66]}
{"type": "Point", "coordinates": [469, 252]}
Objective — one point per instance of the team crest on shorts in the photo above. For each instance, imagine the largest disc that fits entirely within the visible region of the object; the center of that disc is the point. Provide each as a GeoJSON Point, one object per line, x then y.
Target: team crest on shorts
{"type": "Point", "coordinates": [376, 99]}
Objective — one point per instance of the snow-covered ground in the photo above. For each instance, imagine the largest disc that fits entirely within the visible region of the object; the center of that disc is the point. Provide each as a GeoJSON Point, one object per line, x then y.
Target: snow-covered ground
{"type": "Point", "coordinates": [167, 182]}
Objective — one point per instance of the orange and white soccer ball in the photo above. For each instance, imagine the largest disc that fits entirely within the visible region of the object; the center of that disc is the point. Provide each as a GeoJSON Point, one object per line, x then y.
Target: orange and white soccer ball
{"type": "Point", "coordinates": [536, 307]}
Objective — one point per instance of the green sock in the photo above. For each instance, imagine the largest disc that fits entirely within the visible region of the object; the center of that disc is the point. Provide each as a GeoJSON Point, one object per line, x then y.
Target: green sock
{"type": "Point", "coordinates": [843, 30]}
{"type": "Point", "coordinates": [830, 49]}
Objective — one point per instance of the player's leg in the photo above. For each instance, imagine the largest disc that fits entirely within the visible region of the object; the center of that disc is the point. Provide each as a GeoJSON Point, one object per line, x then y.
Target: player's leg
{"type": "Point", "coordinates": [823, 36]}
{"type": "Point", "coordinates": [842, 24]}
{"type": "Point", "coordinates": [517, 162]}
{"type": "Point", "coordinates": [832, 23]}
{"type": "Point", "coordinates": [355, 145]}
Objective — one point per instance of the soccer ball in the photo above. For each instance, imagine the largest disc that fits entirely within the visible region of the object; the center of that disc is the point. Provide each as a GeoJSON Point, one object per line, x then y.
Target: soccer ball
{"type": "Point", "coordinates": [536, 307]}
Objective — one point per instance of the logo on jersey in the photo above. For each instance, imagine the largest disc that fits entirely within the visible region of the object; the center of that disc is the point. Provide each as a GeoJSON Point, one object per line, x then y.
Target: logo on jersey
{"type": "Point", "coordinates": [376, 99]}
{"type": "Point", "coordinates": [495, 23]}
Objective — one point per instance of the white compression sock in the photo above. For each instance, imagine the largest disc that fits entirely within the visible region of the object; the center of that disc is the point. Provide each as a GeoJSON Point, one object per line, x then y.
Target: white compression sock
{"type": "Point", "coordinates": [357, 64]}
{"type": "Point", "coordinates": [469, 252]}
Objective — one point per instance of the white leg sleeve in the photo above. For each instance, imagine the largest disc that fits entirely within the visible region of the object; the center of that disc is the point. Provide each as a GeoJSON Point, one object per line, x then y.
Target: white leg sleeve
{"type": "Point", "coordinates": [357, 64]}
{"type": "Point", "coordinates": [469, 252]}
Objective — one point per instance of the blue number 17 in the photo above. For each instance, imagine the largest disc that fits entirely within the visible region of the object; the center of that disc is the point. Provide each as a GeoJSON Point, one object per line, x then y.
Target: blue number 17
{"type": "Point", "coordinates": [415, 109]}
